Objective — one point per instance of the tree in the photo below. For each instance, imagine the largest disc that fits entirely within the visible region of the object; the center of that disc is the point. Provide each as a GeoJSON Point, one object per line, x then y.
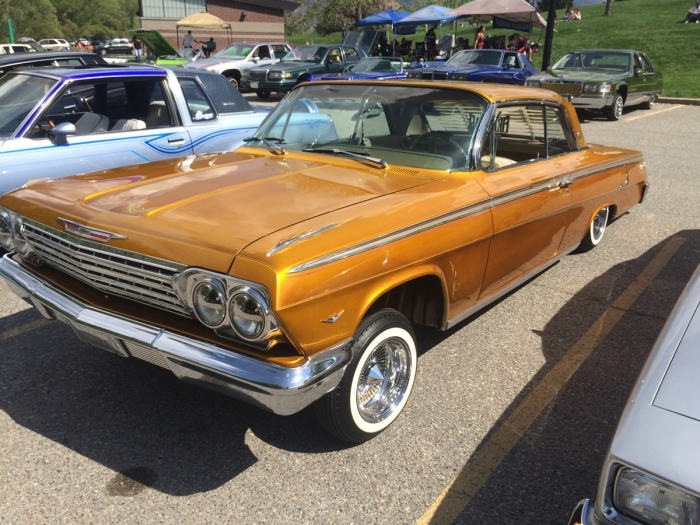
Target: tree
{"type": "Point", "coordinates": [607, 7]}
{"type": "Point", "coordinates": [33, 18]}
{"type": "Point", "coordinates": [340, 15]}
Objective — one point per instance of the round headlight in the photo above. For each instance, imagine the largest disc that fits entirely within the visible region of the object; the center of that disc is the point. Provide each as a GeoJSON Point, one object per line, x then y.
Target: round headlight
{"type": "Point", "coordinates": [247, 315]}
{"type": "Point", "coordinates": [21, 245]}
{"type": "Point", "coordinates": [209, 302]}
{"type": "Point", "coordinates": [5, 231]}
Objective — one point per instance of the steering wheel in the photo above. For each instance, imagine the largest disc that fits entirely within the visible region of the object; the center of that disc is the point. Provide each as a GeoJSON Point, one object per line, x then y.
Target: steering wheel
{"type": "Point", "coordinates": [435, 142]}
{"type": "Point", "coordinates": [43, 125]}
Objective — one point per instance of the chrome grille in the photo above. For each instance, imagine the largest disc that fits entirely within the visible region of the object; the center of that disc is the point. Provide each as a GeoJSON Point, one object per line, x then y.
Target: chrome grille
{"type": "Point", "coordinates": [146, 354]}
{"type": "Point", "coordinates": [126, 274]}
{"type": "Point", "coordinates": [427, 76]}
{"type": "Point", "coordinates": [564, 87]}
{"type": "Point", "coordinates": [439, 76]}
{"type": "Point", "coordinates": [258, 74]}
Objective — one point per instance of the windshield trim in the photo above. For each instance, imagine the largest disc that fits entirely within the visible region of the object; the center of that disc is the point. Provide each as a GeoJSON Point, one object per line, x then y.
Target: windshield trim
{"type": "Point", "coordinates": [21, 129]}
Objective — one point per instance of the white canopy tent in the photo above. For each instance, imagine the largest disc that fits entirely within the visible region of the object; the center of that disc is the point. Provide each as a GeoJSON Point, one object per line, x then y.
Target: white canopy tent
{"type": "Point", "coordinates": [201, 20]}
{"type": "Point", "coordinates": [518, 13]}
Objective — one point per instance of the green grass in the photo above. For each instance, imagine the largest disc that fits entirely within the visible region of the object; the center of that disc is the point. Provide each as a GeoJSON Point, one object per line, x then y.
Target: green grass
{"type": "Point", "coordinates": [652, 26]}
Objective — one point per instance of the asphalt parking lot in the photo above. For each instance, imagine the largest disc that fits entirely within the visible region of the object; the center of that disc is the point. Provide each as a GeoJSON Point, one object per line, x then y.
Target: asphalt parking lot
{"type": "Point", "coordinates": [508, 423]}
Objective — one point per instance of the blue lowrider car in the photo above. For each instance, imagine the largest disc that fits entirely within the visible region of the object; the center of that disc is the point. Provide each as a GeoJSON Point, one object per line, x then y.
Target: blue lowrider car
{"type": "Point", "coordinates": [371, 68]}
{"type": "Point", "coordinates": [481, 65]}
{"type": "Point", "coordinates": [63, 121]}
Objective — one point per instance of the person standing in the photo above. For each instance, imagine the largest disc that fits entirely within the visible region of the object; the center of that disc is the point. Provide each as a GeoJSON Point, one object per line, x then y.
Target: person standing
{"type": "Point", "coordinates": [138, 48]}
{"type": "Point", "coordinates": [430, 41]}
{"type": "Point", "coordinates": [79, 45]}
{"type": "Point", "coordinates": [187, 40]}
{"type": "Point", "coordinates": [480, 38]}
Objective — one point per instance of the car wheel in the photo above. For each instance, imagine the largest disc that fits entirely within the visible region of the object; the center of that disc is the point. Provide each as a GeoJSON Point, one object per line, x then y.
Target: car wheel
{"type": "Point", "coordinates": [377, 382]}
{"type": "Point", "coordinates": [614, 112]}
{"type": "Point", "coordinates": [103, 52]}
{"type": "Point", "coordinates": [488, 80]}
{"type": "Point", "coordinates": [648, 104]}
{"type": "Point", "coordinates": [233, 78]}
{"type": "Point", "coordinates": [262, 93]}
{"type": "Point", "coordinates": [596, 230]}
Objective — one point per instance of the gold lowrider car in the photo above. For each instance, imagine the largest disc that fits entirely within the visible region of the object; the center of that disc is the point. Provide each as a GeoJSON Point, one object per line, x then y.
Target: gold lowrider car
{"type": "Point", "coordinates": [291, 271]}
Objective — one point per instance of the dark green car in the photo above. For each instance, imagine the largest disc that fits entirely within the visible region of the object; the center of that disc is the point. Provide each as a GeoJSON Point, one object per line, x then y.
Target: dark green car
{"type": "Point", "coordinates": [603, 79]}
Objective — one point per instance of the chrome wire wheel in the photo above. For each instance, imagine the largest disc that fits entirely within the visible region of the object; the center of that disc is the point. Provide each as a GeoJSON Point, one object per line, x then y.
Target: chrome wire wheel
{"type": "Point", "coordinates": [377, 382]}
{"type": "Point", "coordinates": [598, 225]}
{"type": "Point", "coordinates": [383, 380]}
{"type": "Point", "coordinates": [619, 104]}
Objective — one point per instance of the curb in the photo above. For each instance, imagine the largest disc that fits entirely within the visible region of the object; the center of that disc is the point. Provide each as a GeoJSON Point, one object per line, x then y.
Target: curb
{"type": "Point", "coordinates": [675, 100]}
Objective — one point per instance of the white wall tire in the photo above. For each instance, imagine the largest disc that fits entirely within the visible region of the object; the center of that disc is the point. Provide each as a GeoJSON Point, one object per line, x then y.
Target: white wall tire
{"type": "Point", "coordinates": [596, 230]}
{"type": "Point", "coordinates": [377, 382]}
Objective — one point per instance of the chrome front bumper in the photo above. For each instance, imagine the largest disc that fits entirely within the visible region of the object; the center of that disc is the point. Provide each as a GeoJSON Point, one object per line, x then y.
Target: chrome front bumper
{"type": "Point", "coordinates": [584, 514]}
{"type": "Point", "coordinates": [281, 390]}
{"type": "Point", "coordinates": [591, 101]}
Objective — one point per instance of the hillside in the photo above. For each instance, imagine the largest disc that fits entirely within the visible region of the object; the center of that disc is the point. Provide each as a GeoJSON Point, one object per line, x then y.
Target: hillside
{"type": "Point", "coordinates": [652, 26]}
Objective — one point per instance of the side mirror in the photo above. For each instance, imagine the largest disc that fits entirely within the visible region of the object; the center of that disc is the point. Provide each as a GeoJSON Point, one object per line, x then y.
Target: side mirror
{"type": "Point", "coordinates": [59, 134]}
{"type": "Point", "coordinates": [255, 59]}
{"type": "Point", "coordinates": [328, 63]}
{"type": "Point", "coordinates": [638, 71]}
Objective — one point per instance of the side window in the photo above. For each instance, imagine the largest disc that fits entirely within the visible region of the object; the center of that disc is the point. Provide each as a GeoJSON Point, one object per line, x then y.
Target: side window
{"type": "Point", "coordinates": [226, 98]}
{"type": "Point", "coordinates": [517, 135]}
{"type": "Point", "coordinates": [279, 50]}
{"type": "Point", "coordinates": [106, 106]}
{"type": "Point", "coordinates": [197, 101]}
{"type": "Point", "coordinates": [557, 141]}
{"type": "Point", "coordinates": [510, 59]}
{"type": "Point", "coordinates": [351, 55]}
{"type": "Point", "coordinates": [19, 49]}
{"type": "Point", "coordinates": [334, 56]}
{"type": "Point", "coordinates": [647, 63]}
{"type": "Point", "coordinates": [69, 62]}
{"type": "Point", "coordinates": [638, 62]}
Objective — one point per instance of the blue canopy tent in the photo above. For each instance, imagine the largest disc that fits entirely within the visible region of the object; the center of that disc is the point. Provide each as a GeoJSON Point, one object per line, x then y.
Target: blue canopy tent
{"type": "Point", "coordinates": [433, 14]}
{"type": "Point", "coordinates": [385, 18]}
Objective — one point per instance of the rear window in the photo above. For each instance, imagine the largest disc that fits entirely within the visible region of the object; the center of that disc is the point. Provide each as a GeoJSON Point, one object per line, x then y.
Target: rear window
{"type": "Point", "coordinates": [226, 98]}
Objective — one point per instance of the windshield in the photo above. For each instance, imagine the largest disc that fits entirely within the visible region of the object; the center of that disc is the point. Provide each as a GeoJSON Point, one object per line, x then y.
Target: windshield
{"type": "Point", "coordinates": [234, 51]}
{"type": "Point", "coordinates": [312, 54]}
{"type": "Point", "coordinates": [485, 58]}
{"type": "Point", "coordinates": [371, 65]}
{"type": "Point", "coordinates": [422, 127]}
{"type": "Point", "coordinates": [594, 60]}
{"type": "Point", "coordinates": [19, 94]}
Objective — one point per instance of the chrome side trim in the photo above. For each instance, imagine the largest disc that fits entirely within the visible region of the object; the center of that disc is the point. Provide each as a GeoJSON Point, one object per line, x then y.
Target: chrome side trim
{"type": "Point", "coordinates": [282, 390]}
{"type": "Point", "coordinates": [393, 236]}
{"type": "Point", "coordinates": [508, 288]}
{"type": "Point", "coordinates": [606, 166]}
{"type": "Point", "coordinates": [293, 240]}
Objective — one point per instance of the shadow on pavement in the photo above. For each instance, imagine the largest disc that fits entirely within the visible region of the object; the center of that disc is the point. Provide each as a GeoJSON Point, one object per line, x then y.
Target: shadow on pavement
{"type": "Point", "coordinates": [152, 430]}
{"type": "Point", "coordinates": [558, 460]}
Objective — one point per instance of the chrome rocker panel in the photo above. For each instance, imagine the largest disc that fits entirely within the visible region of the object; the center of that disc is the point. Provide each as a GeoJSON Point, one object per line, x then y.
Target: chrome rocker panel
{"type": "Point", "coordinates": [279, 389]}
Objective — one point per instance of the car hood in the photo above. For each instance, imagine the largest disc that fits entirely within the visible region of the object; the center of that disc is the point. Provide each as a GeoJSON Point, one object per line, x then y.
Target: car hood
{"type": "Point", "coordinates": [291, 65]}
{"type": "Point", "coordinates": [209, 62]}
{"type": "Point", "coordinates": [578, 75]}
{"type": "Point", "coordinates": [361, 76]}
{"type": "Point", "coordinates": [219, 202]}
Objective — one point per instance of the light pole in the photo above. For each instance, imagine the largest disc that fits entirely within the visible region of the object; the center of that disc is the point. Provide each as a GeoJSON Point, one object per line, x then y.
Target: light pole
{"type": "Point", "coordinates": [549, 35]}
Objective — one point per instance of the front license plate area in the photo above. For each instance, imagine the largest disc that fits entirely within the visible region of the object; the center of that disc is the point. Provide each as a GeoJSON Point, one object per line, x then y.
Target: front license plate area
{"type": "Point", "coordinates": [100, 339]}
{"type": "Point", "coordinates": [254, 85]}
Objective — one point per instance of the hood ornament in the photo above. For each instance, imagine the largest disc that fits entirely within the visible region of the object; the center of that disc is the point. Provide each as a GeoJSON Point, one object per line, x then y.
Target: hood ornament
{"type": "Point", "coordinates": [89, 233]}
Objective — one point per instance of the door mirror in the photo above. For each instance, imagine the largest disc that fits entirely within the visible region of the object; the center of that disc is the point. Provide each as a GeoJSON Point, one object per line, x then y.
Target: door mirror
{"type": "Point", "coordinates": [59, 134]}
{"type": "Point", "coordinates": [255, 59]}
{"type": "Point", "coordinates": [638, 71]}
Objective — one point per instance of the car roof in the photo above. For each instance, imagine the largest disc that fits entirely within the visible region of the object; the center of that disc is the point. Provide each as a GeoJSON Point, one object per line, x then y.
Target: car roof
{"type": "Point", "coordinates": [604, 51]}
{"type": "Point", "coordinates": [258, 43]}
{"type": "Point", "coordinates": [94, 71]}
{"type": "Point", "coordinates": [490, 91]}
{"type": "Point", "coordinates": [43, 55]}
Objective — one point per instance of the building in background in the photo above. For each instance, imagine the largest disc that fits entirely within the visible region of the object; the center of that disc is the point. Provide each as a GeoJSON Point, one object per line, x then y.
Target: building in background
{"type": "Point", "coordinates": [250, 20]}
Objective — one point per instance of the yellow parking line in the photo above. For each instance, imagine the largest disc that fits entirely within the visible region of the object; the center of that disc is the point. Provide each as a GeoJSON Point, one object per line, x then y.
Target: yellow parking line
{"type": "Point", "coordinates": [23, 329]}
{"type": "Point", "coordinates": [489, 456]}
{"type": "Point", "coordinates": [654, 113]}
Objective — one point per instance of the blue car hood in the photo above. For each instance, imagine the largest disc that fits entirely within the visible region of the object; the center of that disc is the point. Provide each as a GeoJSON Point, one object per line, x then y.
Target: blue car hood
{"type": "Point", "coordinates": [361, 76]}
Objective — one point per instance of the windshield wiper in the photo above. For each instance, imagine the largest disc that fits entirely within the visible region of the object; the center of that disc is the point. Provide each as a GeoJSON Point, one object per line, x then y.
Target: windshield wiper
{"type": "Point", "coordinates": [360, 154]}
{"type": "Point", "coordinates": [269, 141]}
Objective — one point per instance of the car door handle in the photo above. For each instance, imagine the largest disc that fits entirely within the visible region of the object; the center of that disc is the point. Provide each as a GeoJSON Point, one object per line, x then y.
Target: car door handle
{"type": "Point", "coordinates": [565, 184]}
{"type": "Point", "coordinates": [174, 141]}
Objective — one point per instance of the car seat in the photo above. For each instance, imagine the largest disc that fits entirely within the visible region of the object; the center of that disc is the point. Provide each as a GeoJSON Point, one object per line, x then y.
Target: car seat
{"type": "Point", "coordinates": [128, 124]}
{"type": "Point", "coordinates": [91, 123]}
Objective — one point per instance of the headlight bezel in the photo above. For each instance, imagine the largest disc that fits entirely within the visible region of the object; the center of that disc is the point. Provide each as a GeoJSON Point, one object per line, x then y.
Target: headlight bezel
{"type": "Point", "coordinates": [189, 281]}
{"type": "Point", "coordinates": [279, 74]}
{"type": "Point", "coordinates": [6, 241]}
{"type": "Point", "coordinates": [264, 312]}
{"type": "Point", "coordinates": [597, 88]}
{"type": "Point", "coordinates": [533, 83]}
{"type": "Point", "coordinates": [218, 287]}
